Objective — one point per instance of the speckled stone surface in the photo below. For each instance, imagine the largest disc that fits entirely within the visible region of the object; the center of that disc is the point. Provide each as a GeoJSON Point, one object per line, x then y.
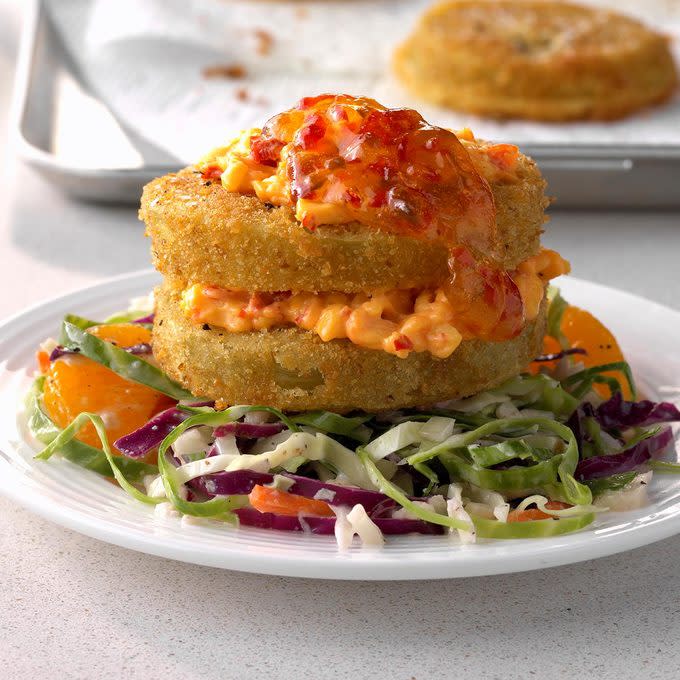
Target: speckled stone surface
{"type": "Point", "coordinates": [74, 608]}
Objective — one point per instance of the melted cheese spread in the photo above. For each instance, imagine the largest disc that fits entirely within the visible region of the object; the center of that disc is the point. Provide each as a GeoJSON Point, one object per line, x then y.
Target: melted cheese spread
{"type": "Point", "coordinates": [240, 172]}
{"type": "Point", "coordinates": [398, 321]}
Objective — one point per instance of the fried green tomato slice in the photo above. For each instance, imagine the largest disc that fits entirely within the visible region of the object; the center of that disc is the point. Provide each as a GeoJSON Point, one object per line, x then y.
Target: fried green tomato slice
{"type": "Point", "coordinates": [202, 233]}
{"type": "Point", "coordinates": [539, 60]}
{"type": "Point", "coordinates": [293, 369]}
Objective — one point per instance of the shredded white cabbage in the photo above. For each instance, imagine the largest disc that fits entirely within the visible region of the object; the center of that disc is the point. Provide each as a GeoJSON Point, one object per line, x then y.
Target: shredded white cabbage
{"type": "Point", "coordinates": [530, 389]}
{"type": "Point", "coordinates": [438, 428]}
{"type": "Point", "coordinates": [356, 521]}
{"type": "Point", "coordinates": [630, 497]}
{"type": "Point", "coordinates": [153, 485]}
{"type": "Point", "coordinates": [479, 509]}
{"type": "Point", "coordinates": [394, 439]}
{"type": "Point", "coordinates": [226, 445]}
{"type": "Point", "coordinates": [452, 441]}
{"type": "Point", "coordinates": [270, 443]}
{"type": "Point", "coordinates": [48, 345]}
{"type": "Point", "coordinates": [281, 482]}
{"type": "Point", "coordinates": [507, 410]}
{"type": "Point", "coordinates": [310, 447]}
{"type": "Point", "coordinates": [341, 479]}
{"type": "Point", "coordinates": [541, 501]}
{"type": "Point", "coordinates": [387, 468]}
{"type": "Point", "coordinates": [455, 509]}
{"type": "Point", "coordinates": [501, 511]}
{"type": "Point", "coordinates": [344, 532]}
{"type": "Point", "coordinates": [323, 473]}
{"type": "Point", "coordinates": [195, 440]}
{"type": "Point", "coordinates": [611, 444]}
{"type": "Point", "coordinates": [325, 495]}
{"type": "Point", "coordinates": [196, 468]}
{"type": "Point", "coordinates": [477, 403]}
{"type": "Point", "coordinates": [193, 521]}
{"type": "Point", "coordinates": [544, 441]}
{"type": "Point", "coordinates": [259, 417]}
{"type": "Point", "coordinates": [567, 366]}
{"type": "Point", "coordinates": [437, 503]}
{"type": "Point", "coordinates": [298, 444]}
{"type": "Point", "coordinates": [495, 502]}
{"type": "Point", "coordinates": [536, 413]}
{"type": "Point", "coordinates": [365, 527]}
{"type": "Point", "coordinates": [404, 513]}
{"type": "Point", "coordinates": [165, 510]}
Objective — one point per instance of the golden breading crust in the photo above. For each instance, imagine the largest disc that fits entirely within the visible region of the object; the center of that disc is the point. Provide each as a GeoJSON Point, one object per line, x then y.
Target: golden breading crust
{"type": "Point", "coordinates": [203, 234]}
{"type": "Point", "coordinates": [540, 60]}
{"type": "Point", "coordinates": [293, 369]}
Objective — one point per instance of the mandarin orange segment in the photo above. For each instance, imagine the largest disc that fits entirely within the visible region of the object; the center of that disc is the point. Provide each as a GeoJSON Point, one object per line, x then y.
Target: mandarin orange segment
{"type": "Point", "coordinates": [584, 331]}
{"type": "Point", "coordinates": [121, 334]}
{"type": "Point", "coordinates": [74, 384]}
{"type": "Point", "coordinates": [43, 359]}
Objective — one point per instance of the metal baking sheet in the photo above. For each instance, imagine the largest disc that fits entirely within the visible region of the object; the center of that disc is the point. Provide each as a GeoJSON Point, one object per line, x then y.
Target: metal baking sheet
{"type": "Point", "coordinates": [66, 132]}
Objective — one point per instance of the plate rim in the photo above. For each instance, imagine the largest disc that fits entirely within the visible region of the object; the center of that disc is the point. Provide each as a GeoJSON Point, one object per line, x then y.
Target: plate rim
{"type": "Point", "coordinates": [356, 565]}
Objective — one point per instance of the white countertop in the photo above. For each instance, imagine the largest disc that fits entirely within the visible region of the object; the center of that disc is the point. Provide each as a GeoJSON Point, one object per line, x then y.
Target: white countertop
{"type": "Point", "coordinates": [72, 607]}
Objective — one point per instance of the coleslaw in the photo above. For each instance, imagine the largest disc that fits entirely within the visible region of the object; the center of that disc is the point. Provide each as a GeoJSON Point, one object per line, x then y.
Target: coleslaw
{"type": "Point", "coordinates": [540, 455]}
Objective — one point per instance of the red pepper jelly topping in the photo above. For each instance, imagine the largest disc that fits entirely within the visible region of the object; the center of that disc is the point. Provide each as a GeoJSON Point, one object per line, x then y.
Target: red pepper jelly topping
{"type": "Point", "coordinates": [486, 300]}
{"type": "Point", "coordinates": [386, 168]}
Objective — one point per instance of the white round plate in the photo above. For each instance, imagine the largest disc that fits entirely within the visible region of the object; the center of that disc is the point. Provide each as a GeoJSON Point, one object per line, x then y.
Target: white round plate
{"type": "Point", "coordinates": [83, 501]}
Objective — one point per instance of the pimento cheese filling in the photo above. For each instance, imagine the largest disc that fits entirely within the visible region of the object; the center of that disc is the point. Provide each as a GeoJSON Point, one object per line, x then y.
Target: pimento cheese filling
{"type": "Point", "coordinates": [398, 321]}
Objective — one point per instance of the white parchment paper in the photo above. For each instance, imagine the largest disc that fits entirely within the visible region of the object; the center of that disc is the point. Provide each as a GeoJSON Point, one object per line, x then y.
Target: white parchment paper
{"type": "Point", "coordinates": [146, 60]}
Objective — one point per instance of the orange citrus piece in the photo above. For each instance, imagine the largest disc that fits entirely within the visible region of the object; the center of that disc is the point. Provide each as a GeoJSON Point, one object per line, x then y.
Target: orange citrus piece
{"type": "Point", "coordinates": [534, 513]}
{"type": "Point", "coordinates": [43, 359]}
{"type": "Point", "coordinates": [268, 499]}
{"type": "Point", "coordinates": [584, 331]}
{"type": "Point", "coordinates": [121, 334]}
{"type": "Point", "coordinates": [74, 384]}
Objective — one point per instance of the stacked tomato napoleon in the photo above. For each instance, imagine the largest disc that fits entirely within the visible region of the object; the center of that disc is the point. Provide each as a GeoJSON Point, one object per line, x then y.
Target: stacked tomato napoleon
{"type": "Point", "coordinates": [349, 340]}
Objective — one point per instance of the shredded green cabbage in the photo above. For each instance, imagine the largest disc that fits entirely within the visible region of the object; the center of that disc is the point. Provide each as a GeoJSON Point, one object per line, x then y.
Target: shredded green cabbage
{"type": "Point", "coordinates": [123, 363]}
{"type": "Point", "coordinates": [539, 528]}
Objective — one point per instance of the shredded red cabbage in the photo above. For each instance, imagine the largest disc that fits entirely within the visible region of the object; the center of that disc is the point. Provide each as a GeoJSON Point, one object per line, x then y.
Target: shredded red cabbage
{"type": "Point", "coordinates": [60, 351]}
{"type": "Point", "coordinates": [149, 436]}
{"type": "Point", "coordinates": [575, 424]}
{"type": "Point", "coordinates": [249, 430]}
{"type": "Point", "coordinates": [144, 319]}
{"type": "Point", "coordinates": [234, 482]}
{"type": "Point", "coordinates": [630, 459]}
{"type": "Point", "coordinates": [617, 413]}
{"type": "Point", "coordinates": [343, 495]}
{"type": "Point", "coordinates": [139, 348]}
{"type": "Point", "coordinates": [242, 482]}
{"type": "Point", "coordinates": [326, 525]}
{"type": "Point", "coordinates": [558, 355]}
{"type": "Point", "coordinates": [385, 508]}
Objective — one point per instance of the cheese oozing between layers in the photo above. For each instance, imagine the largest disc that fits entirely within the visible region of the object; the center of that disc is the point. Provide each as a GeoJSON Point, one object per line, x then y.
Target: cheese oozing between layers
{"type": "Point", "coordinates": [397, 321]}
